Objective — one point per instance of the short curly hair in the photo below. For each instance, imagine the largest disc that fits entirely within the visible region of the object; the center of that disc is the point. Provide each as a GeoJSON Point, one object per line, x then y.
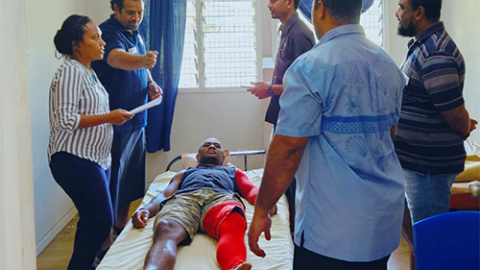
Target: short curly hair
{"type": "Point", "coordinates": [433, 8]}
{"type": "Point", "coordinates": [119, 3]}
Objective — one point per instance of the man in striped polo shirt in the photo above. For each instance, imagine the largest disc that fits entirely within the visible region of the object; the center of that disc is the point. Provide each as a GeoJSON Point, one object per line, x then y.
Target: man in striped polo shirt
{"type": "Point", "coordinates": [434, 121]}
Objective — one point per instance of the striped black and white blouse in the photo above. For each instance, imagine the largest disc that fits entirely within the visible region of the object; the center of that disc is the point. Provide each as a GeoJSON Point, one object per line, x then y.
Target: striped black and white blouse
{"type": "Point", "coordinates": [74, 92]}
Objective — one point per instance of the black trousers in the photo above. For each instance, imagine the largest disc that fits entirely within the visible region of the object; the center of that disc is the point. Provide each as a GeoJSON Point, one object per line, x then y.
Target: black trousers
{"type": "Point", "coordinates": [86, 183]}
{"type": "Point", "coordinates": [307, 260]}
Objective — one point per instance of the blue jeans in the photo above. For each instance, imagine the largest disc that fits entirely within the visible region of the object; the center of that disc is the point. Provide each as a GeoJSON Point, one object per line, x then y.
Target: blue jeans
{"type": "Point", "coordinates": [427, 195]}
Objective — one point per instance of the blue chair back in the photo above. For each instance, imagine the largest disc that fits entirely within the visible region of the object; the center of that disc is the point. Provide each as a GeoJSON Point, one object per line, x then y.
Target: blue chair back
{"type": "Point", "coordinates": [449, 241]}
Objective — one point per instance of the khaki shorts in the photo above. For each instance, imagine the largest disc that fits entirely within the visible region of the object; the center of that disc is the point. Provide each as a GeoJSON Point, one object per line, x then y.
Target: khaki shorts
{"type": "Point", "coordinates": [189, 209]}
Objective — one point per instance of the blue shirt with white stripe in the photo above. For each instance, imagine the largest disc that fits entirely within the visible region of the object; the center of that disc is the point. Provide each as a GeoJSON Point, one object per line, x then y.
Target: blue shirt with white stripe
{"type": "Point", "coordinates": [345, 95]}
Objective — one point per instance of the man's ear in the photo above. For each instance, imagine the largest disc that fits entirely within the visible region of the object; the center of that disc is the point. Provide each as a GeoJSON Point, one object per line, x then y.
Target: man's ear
{"type": "Point", "coordinates": [319, 9]}
{"type": "Point", "coordinates": [290, 3]}
{"type": "Point", "coordinates": [198, 156]}
{"type": "Point", "coordinates": [116, 9]}
{"type": "Point", "coordinates": [420, 13]}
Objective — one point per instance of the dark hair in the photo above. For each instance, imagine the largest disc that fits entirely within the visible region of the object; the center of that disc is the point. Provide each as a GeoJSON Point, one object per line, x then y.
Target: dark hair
{"type": "Point", "coordinates": [296, 3]}
{"type": "Point", "coordinates": [432, 8]}
{"type": "Point", "coordinates": [72, 31]}
{"type": "Point", "coordinates": [344, 10]}
{"type": "Point", "coordinates": [120, 4]}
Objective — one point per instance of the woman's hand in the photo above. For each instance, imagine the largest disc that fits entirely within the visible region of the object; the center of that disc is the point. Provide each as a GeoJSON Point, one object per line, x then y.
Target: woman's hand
{"type": "Point", "coordinates": [140, 218]}
{"type": "Point", "coordinates": [119, 116]}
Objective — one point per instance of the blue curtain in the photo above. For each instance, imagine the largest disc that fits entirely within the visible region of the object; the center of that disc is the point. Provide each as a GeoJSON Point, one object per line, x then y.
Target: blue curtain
{"type": "Point", "coordinates": [164, 27]}
{"type": "Point", "coordinates": [306, 7]}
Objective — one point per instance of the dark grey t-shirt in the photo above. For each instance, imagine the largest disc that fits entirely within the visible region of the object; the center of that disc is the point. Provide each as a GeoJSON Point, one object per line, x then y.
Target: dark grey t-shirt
{"type": "Point", "coordinates": [219, 178]}
{"type": "Point", "coordinates": [296, 39]}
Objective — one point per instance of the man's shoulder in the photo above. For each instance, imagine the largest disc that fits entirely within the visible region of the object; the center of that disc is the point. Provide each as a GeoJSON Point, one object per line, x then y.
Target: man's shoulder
{"type": "Point", "coordinates": [109, 25]}
{"type": "Point", "coordinates": [300, 29]}
{"type": "Point", "coordinates": [439, 44]}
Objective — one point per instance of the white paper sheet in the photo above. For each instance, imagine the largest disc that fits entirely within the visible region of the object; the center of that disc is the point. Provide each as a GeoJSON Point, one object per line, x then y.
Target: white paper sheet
{"type": "Point", "coordinates": [149, 105]}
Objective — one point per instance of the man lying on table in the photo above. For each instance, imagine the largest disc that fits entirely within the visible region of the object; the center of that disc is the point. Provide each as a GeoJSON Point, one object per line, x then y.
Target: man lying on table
{"type": "Point", "coordinates": [203, 198]}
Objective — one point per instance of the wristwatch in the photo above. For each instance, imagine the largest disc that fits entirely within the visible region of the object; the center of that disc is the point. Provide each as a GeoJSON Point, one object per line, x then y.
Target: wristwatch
{"type": "Point", "coordinates": [270, 91]}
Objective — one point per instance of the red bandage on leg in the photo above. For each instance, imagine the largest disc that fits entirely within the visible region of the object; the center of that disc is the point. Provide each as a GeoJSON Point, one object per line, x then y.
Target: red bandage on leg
{"type": "Point", "coordinates": [231, 249]}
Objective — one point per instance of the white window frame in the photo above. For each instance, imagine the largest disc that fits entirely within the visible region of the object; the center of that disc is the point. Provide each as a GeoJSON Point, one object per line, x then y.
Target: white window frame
{"type": "Point", "coordinates": [201, 66]}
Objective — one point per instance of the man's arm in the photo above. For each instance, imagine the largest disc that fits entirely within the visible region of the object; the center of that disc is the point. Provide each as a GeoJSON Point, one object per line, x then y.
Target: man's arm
{"type": "Point", "coordinates": [459, 120]}
{"type": "Point", "coordinates": [120, 59]}
{"type": "Point", "coordinates": [283, 159]}
{"type": "Point", "coordinates": [154, 90]}
{"type": "Point", "coordinates": [441, 78]}
{"type": "Point", "coordinates": [260, 89]}
{"type": "Point", "coordinates": [140, 217]}
{"type": "Point", "coordinates": [248, 190]}
{"type": "Point", "coordinates": [393, 132]}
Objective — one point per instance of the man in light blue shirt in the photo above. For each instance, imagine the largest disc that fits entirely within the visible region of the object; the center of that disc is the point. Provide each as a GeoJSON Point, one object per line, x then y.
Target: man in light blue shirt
{"type": "Point", "coordinates": [339, 110]}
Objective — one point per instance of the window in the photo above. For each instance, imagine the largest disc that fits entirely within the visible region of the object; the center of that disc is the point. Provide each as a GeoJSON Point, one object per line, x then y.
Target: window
{"type": "Point", "coordinates": [220, 44]}
{"type": "Point", "coordinates": [372, 22]}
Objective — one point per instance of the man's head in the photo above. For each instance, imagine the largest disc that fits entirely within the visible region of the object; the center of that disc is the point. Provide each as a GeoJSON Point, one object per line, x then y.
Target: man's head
{"type": "Point", "coordinates": [128, 13]}
{"type": "Point", "coordinates": [210, 152]}
{"type": "Point", "coordinates": [415, 15]}
{"type": "Point", "coordinates": [329, 14]}
{"type": "Point", "coordinates": [281, 9]}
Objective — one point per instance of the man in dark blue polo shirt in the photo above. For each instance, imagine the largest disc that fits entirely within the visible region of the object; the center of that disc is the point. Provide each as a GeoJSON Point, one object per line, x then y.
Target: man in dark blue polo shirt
{"type": "Point", "coordinates": [124, 73]}
{"type": "Point", "coordinates": [434, 121]}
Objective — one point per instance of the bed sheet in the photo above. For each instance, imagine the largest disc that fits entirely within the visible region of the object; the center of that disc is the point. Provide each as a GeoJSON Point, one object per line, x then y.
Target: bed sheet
{"type": "Point", "coordinates": [129, 250]}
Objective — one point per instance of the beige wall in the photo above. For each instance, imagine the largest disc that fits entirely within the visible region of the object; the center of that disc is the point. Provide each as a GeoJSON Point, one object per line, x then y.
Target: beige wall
{"type": "Point", "coordinates": [17, 234]}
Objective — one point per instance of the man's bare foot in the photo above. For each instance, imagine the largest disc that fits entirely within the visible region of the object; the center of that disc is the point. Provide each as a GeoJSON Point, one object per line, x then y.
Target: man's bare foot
{"type": "Point", "coordinates": [243, 266]}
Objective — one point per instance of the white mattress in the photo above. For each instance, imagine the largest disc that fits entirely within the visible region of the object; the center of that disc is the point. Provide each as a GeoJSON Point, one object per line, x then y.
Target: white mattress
{"type": "Point", "coordinates": [129, 250]}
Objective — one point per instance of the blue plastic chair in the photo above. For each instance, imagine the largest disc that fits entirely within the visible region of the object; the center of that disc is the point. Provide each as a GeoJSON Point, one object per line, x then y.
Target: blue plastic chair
{"type": "Point", "coordinates": [449, 241]}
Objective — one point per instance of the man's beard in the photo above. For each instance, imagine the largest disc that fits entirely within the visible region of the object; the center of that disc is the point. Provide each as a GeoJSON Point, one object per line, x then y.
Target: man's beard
{"type": "Point", "coordinates": [209, 160]}
{"type": "Point", "coordinates": [409, 31]}
{"type": "Point", "coordinates": [131, 27]}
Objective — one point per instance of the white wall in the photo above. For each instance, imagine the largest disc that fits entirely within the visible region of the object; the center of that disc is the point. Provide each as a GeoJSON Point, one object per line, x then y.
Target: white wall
{"type": "Point", "coordinates": [462, 22]}
{"type": "Point", "coordinates": [17, 234]}
{"type": "Point", "coordinates": [99, 10]}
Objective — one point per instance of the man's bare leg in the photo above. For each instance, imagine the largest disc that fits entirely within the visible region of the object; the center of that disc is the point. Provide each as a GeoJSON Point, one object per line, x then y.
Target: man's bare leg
{"type": "Point", "coordinates": [163, 253]}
